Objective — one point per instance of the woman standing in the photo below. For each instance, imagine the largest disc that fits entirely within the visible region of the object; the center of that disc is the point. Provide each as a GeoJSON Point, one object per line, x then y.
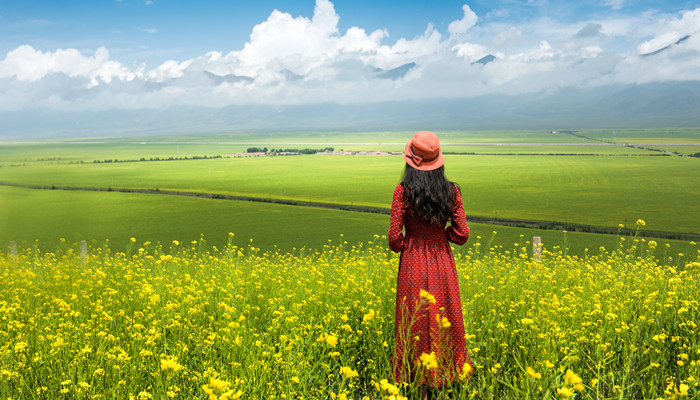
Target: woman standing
{"type": "Point", "coordinates": [430, 344]}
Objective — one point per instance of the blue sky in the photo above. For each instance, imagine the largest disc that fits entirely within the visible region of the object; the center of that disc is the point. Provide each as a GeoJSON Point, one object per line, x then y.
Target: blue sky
{"type": "Point", "coordinates": [89, 54]}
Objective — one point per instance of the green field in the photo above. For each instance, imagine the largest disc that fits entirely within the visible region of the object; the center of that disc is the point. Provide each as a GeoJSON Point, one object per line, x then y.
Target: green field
{"type": "Point", "coordinates": [661, 190]}
{"type": "Point", "coordinates": [610, 185]}
{"type": "Point", "coordinates": [117, 217]}
{"type": "Point", "coordinates": [74, 150]}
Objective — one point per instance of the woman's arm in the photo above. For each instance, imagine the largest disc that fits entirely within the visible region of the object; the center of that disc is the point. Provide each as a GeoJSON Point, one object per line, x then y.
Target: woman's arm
{"type": "Point", "coordinates": [458, 231]}
{"type": "Point", "coordinates": [396, 236]}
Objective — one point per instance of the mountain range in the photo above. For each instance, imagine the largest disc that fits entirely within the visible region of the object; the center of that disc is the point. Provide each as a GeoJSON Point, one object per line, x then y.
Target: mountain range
{"type": "Point", "coordinates": [669, 104]}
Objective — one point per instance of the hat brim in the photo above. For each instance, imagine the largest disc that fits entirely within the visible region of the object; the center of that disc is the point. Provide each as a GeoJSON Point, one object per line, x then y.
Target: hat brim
{"type": "Point", "coordinates": [424, 166]}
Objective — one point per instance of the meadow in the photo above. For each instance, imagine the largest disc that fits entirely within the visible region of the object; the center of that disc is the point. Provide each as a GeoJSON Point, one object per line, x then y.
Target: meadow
{"type": "Point", "coordinates": [512, 175]}
{"type": "Point", "coordinates": [185, 320]}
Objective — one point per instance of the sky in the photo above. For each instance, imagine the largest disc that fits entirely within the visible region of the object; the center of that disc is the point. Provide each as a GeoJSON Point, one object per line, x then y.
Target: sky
{"type": "Point", "coordinates": [88, 55]}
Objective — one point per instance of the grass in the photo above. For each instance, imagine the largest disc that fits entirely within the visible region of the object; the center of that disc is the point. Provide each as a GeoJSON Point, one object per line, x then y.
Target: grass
{"type": "Point", "coordinates": [98, 217]}
{"type": "Point", "coordinates": [90, 149]}
{"type": "Point", "coordinates": [661, 190]}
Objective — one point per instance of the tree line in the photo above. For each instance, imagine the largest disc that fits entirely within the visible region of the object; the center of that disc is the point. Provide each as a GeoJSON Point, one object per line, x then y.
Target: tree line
{"type": "Point", "coordinates": [281, 150]}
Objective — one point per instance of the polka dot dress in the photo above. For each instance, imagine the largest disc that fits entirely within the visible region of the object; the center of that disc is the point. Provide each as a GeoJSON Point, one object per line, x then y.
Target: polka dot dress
{"type": "Point", "coordinates": [431, 322]}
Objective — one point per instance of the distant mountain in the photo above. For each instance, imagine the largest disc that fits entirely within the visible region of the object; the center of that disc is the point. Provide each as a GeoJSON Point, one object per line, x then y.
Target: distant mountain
{"type": "Point", "coordinates": [396, 73]}
{"type": "Point", "coordinates": [620, 106]}
{"type": "Point", "coordinates": [677, 42]}
{"type": "Point", "coordinates": [218, 79]}
{"type": "Point", "coordinates": [485, 59]}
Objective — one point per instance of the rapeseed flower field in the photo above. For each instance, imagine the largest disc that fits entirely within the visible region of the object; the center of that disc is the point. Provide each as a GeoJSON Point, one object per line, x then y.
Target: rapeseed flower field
{"type": "Point", "coordinates": [190, 321]}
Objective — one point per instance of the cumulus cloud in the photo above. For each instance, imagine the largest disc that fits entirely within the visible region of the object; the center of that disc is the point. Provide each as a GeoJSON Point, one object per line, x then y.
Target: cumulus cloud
{"type": "Point", "coordinates": [461, 27]}
{"type": "Point", "coordinates": [296, 60]}
{"type": "Point", "coordinates": [27, 64]}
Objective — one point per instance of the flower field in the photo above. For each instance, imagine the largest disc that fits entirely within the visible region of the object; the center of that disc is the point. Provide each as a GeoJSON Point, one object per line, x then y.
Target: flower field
{"type": "Point", "coordinates": [190, 321]}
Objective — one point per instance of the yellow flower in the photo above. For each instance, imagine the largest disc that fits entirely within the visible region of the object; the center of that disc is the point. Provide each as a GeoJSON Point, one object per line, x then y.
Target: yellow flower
{"type": "Point", "coordinates": [683, 389]}
{"type": "Point", "coordinates": [231, 395]}
{"type": "Point", "coordinates": [571, 378]}
{"type": "Point", "coordinates": [548, 364]}
{"type": "Point", "coordinates": [368, 316]}
{"type": "Point", "coordinates": [170, 363]}
{"type": "Point", "coordinates": [443, 322]}
{"type": "Point", "coordinates": [429, 297]}
{"type": "Point", "coordinates": [565, 392]}
{"type": "Point", "coordinates": [527, 321]}
{"type": "Point", "coordinates": [392, 389]}
{"type": "Point", "coordinates": [641, 222]}
{"type": "Point", "coordinates": [428, 361]}
{"type": "Point", "coordinates": [348, 372]}
{"type": "Point", "coordinates": [466, 371]}
{"type": "Point", "coordinates": [218, 384]}
{"type": "Point", "coordinates": [532, 373]}
{"type": "Point", "coordinates": [144, 395]}
{"type": "Point", "coordinates": [20, 346]}
{"type": "Point", "coordinates": [332, 340]}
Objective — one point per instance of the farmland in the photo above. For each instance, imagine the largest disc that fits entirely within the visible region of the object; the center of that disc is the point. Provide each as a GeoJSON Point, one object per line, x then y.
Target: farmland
{"type": "Point", "coordinates": [510, 175]}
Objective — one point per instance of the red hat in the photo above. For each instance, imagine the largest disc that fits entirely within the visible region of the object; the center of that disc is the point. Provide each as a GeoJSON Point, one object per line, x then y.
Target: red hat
{"type": "Point", "coordinates": [423, 152]}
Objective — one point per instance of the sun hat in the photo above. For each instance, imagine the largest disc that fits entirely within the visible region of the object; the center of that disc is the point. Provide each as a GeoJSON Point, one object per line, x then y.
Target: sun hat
{"type": "Point", "coordinates": [423, 151]}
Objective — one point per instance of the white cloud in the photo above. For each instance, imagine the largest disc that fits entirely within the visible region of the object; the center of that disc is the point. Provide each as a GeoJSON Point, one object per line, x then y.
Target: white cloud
{"type": "Point", "coordinates": [461, 27]}
{"type": "Point", "coordinates": [291, 60]}
{"type": "Point", "coordinates": [30, 65]}
{"type": "Point", "coordinates": [470, 51]}
{"type": "Point", "coordinates": [299, 44]}
{"type": "Point", "coordinates": [668, 31]}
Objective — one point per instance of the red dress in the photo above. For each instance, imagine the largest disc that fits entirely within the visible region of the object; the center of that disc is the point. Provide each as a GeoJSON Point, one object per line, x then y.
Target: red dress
{"type": "Point", "coordinates": [427, 264]}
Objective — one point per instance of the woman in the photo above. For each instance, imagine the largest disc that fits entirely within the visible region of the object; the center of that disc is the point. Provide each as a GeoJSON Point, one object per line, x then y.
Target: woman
{"type": "Point", "coordinates": [430, 344]}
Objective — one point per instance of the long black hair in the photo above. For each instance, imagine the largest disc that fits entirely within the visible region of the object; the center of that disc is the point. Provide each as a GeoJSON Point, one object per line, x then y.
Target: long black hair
{"type": "Point", "coordinates": [430, 195]}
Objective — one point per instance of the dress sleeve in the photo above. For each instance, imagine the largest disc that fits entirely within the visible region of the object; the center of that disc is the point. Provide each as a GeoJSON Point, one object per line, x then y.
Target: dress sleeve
{"type": "Point", "coordinates": [458, 231]}
{"type": "Point", "coordinates": [396, 236]}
